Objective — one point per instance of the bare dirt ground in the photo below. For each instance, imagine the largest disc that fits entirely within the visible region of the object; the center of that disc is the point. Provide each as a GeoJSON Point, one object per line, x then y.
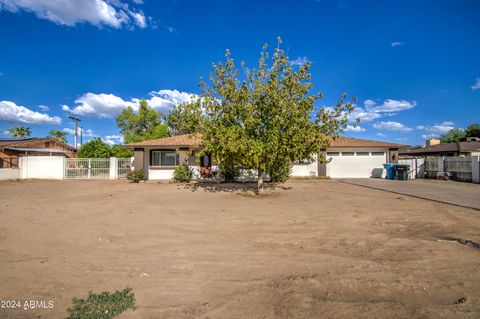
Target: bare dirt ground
{"type": "Point", "coordinates": [318, 249]}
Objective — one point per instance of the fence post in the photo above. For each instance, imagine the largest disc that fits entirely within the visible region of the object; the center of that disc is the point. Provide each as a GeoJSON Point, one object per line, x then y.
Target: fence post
{"type": "Point", "coordinates": [113, 167]}
{"type": "Point", "coordinates": [89, 174]}
{"type": "Point", "coordinates": [441, 166]}
{"type": "Point", "coordinates": [475, 169]}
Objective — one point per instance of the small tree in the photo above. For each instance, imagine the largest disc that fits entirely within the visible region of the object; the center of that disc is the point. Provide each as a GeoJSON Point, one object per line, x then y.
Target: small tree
{"type": "Point", "coordinates": [19, 131]}
{"type": "Point", "coordinates": [453, 136]}
{"type": "Point", "coordinates": [142, 125]}
{"type": "Point", "coordinates": [266, 119]}
{"type": "Point", "coordinates": [95, 148]}
{"type": "Point", "coordinates": [473, 130]}
{"type": "Point", "coordinates": [59, 135]}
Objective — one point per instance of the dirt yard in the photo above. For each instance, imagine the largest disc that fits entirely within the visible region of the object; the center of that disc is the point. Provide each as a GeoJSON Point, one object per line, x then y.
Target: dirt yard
{"type": "Point", "coordinates": [318, 249]}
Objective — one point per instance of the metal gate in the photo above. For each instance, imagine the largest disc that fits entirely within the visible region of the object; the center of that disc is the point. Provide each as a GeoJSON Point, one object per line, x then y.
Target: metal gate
{"type": "Point", "coordinates": [87, 168]}
{"type": "Point", "coordinates": [124, 165]}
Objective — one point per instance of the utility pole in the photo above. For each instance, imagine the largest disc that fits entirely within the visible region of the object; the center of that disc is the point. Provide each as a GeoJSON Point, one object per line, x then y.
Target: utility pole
{"type": "Point", "coordinates": [76, 120]}
{"type": "Point", "coordinates": [81, 136]}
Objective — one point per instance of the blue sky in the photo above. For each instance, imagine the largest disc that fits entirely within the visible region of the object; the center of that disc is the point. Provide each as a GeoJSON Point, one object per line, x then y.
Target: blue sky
{"type": "Point", "coordinates": [414, 65]}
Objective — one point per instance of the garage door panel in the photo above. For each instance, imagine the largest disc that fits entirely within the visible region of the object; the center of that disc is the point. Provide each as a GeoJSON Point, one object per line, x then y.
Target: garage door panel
{"type": "Point", "coordinates": [354, 166]}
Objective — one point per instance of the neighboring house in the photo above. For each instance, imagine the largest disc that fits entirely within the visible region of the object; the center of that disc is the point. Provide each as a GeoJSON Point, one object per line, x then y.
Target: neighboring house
{"type": "Point", "coordinates": [349, 157]}
{"type": "Point", "coordinates": [12, 149]}
{"type": "Point", "coordinates": [466, 148]}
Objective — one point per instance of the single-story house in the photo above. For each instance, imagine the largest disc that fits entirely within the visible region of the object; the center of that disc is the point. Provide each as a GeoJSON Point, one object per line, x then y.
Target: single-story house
{"type": "Point", "coordinates": [12, 149]}
{"type": "Point", "coordinates": [349, 157]}
{"type": "Point", "coordinates": [464, 148]}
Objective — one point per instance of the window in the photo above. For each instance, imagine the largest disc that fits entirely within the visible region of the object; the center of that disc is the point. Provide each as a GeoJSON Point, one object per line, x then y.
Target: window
{"type": "Point", "coordinates": [348, 153]}
{"type": "Point", "coordinates": [363, 153]}
{"type": "Point", "coordinates": [333, 153]}
{"type": "Point", "coordinates": [378, 153]}
{"type": "Point", "coordinates": [164, 158]}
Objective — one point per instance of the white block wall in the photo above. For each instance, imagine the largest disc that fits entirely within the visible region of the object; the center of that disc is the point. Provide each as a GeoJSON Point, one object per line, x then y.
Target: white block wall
{"type": "Point", "coordinates": [9, 173]}
{"type": "Point", "coordinates": [305, 169]}
{"type": "Point", "coordinates": [42, 167]}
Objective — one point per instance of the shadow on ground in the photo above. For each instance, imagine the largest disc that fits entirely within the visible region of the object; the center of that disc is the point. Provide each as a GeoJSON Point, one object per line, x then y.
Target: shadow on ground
{"type": "Point", "coordinates": [240, 187]}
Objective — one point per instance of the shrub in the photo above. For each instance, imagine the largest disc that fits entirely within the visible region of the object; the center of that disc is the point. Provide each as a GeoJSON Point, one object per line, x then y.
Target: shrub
{"type": "Point", "coordinates": [229, 172]}
{"type": "Point", "coordinates": [280, 173]}
{"type": "Point", "coordinates": [183, 174]}
{"type": "Point", "coordinates": [136, 176]}
{"type": "Point", "coordinates": [102, 306]}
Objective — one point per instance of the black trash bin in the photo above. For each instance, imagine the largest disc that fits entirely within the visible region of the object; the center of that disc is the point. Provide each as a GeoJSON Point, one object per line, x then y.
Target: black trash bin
{"type": "Point", "coordinates": [402, 172]}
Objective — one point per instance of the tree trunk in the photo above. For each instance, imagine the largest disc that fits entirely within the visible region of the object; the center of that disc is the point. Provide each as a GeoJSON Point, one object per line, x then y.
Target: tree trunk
{"type": "Point", "coordinates": [260, 181]}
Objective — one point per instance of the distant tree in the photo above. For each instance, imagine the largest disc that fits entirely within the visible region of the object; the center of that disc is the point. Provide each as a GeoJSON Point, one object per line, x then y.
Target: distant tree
{"type": "Point", "coordinates": [453, 136]}
{"type": "Point", "coordinates": [95, 148]}
{"type": "Point", "coordinates": [120, 152]}
{"type": "Point", "coordinates": [266, 119]}
{"type": "Point", "coordinates": [59, 135]}
{"type": "Point", "coordinates": [473, 130]}
{"type": "Point", "coordinates": [142, 125]}
{"type": "Point", "coordinates": [19, 131]}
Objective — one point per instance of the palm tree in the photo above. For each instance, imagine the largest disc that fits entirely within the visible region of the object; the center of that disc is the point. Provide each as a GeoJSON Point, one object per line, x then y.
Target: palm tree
{"type": "Point", "coordinates": [19, 131]}
{"type": "Point", "coordinates": [59, 135]}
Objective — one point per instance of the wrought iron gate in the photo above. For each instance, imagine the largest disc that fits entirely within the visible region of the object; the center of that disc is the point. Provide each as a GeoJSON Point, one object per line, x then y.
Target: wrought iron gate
{"type": "Point", "coordinates": [87, 168]}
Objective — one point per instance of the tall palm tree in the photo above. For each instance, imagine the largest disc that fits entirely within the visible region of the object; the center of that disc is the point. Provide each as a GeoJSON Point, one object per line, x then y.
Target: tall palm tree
{"type": "Point", "coordinates": [19, 131]}
{"type": "Point", "coordinates": [59, 135]}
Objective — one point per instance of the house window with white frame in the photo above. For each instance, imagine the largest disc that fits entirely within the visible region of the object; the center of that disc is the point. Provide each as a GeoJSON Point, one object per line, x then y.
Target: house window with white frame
{"type": "Point", "coordinates": [165, 158]}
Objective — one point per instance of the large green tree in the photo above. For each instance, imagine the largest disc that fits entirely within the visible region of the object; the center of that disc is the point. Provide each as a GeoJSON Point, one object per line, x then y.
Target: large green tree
{"type": "Point", "coordinates": [95, 148]}
{"type": "Point", "coordinates": [266, 117]}
{"type": "Point", "coordinates": [185, 118]}
{"type": "Point", "coordinates": [453, 136]}
{"type": "Point", "coordinates": [473, 130]}
{"type": "Point", "coordinates": [142, 125]}
{"type": "Point", "coordinates": [19, 131]}
{"type": "Point", "coordinates": [59, 135]}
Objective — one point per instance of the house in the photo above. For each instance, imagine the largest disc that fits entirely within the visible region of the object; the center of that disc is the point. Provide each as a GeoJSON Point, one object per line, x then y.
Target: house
{"type": "Point", "coordinates": [469, 147]}
{"type": "Point", "coordinates": [12, 149]}
{"type": "Point", "coordinates": [349, 157]}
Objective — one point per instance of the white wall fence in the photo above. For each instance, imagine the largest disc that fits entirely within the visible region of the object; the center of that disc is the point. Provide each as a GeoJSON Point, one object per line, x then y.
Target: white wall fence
{"type": "Point", "coordinates": [59, 167]}
{"type": "Point", "coordinates": [461, 168]}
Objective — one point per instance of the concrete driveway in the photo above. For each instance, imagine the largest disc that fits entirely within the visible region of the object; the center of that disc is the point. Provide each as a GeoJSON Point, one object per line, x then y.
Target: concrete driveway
{"type": "Point", "coordinates": [456, 193]}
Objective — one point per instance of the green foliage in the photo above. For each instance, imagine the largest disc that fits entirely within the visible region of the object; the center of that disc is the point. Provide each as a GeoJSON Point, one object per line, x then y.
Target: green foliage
{"type": "Point", "coordinates": [183, 174]}
{"type": "Point", "coordinates": [229, 171]}
{"type": "Point", "coordinates": [59, 135]}
{"type": "Point", "coordinates": [266, 118]}
{"type": "Point", "coordinates": [185, 118]}
{"type": "Point", "coordinates": [136, 176]}
{"type": "Point", "coordinates": [280, 172]}
{"type": "Point", "coordinates": [95, 148]}
{"type": "Point", "coordinates": [454, 135]}
{"type": "Point", "coordinates": [144, 125]}
{"type": "Point", "coordinates": [19, 131]}
{"type": "Point", "coordinates": [120, 152]}
{"type": "Point", "coordinates": [473, 130]}
{"type": "Point", "coordinates": [102, 306]}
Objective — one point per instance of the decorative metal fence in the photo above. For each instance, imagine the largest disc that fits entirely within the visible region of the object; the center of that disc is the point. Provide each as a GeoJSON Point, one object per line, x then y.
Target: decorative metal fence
{"type": "Point", "coordinates": [459, 168]}
{"type": "Point", "coordinates": [87, 168]}
{"type": "Point", "coordinates": [124, 165]}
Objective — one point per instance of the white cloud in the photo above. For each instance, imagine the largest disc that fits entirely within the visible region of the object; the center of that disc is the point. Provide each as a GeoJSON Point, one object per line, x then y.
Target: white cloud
{"type": "Point", "coordinates": [113, 139]}
{"type": "Point", "coordinates": [396, 44]}
{"type": "Point", "coordinates": [419, 127]}
{"type": "Point", "coordinates": [69, 131]}
{"type": "Point", "coordinates": [171, 29]}
{"type": "Point", "coordinates": [299, 61]}
{"type": "Point", "coordinates": [44, 108]}
{"type": "Point", "coordinates": [113, 13]}
{"type": "Point", "coordinates": [476, 85]}
{"type": "Point", "coordinates": [109, 105]}
{"type": "Point", "coordinates": [390, 105]}
{"type": "Point", "coordinates": [363, 115]}
{"type": "Point", "coordinates": [437, 129]}
{"type": "Point", "coordinates": [351, 128]}
{"type": "Point", "coordinates": [391, 126]}
{"type": "Point", "coordinates": [13, 113]}
{"type": "Point", "coordinates": [381, 135]}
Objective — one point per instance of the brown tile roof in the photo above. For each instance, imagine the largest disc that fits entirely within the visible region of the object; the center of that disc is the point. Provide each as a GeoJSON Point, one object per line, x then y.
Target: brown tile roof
{"type": "Point", "coordinates": [179, 140]}
{"type": "Point", "coordinates": [445, 148]}
{"type": "Point", "coordinates": [342, 141]}
{"type": "Point", "coordinates": [195, 140]}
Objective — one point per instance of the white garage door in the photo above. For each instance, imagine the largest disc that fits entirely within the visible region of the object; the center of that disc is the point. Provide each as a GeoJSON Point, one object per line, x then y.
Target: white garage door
{"type": "Point", "coordinates": [356, 164]}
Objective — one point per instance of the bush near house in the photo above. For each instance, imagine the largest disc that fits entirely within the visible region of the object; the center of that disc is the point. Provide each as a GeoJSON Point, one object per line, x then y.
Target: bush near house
{"type": "Point", "coordinates": [183, 174]}
{"type": "Point", "coordinates": [136, 176]}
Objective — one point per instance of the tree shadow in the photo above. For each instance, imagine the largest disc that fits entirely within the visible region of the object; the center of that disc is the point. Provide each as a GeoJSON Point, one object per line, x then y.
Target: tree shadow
{"type": "Point", "coordinates": [233, 187]}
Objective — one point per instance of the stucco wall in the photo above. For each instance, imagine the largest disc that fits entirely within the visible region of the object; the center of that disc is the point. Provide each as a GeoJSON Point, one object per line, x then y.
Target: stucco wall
{"type": "Point", "coordinates": [9, 173]}
{"type": "Point", "coordinates": [305, 169]}
{"type": "Point", "coordinates": [42, 167]}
